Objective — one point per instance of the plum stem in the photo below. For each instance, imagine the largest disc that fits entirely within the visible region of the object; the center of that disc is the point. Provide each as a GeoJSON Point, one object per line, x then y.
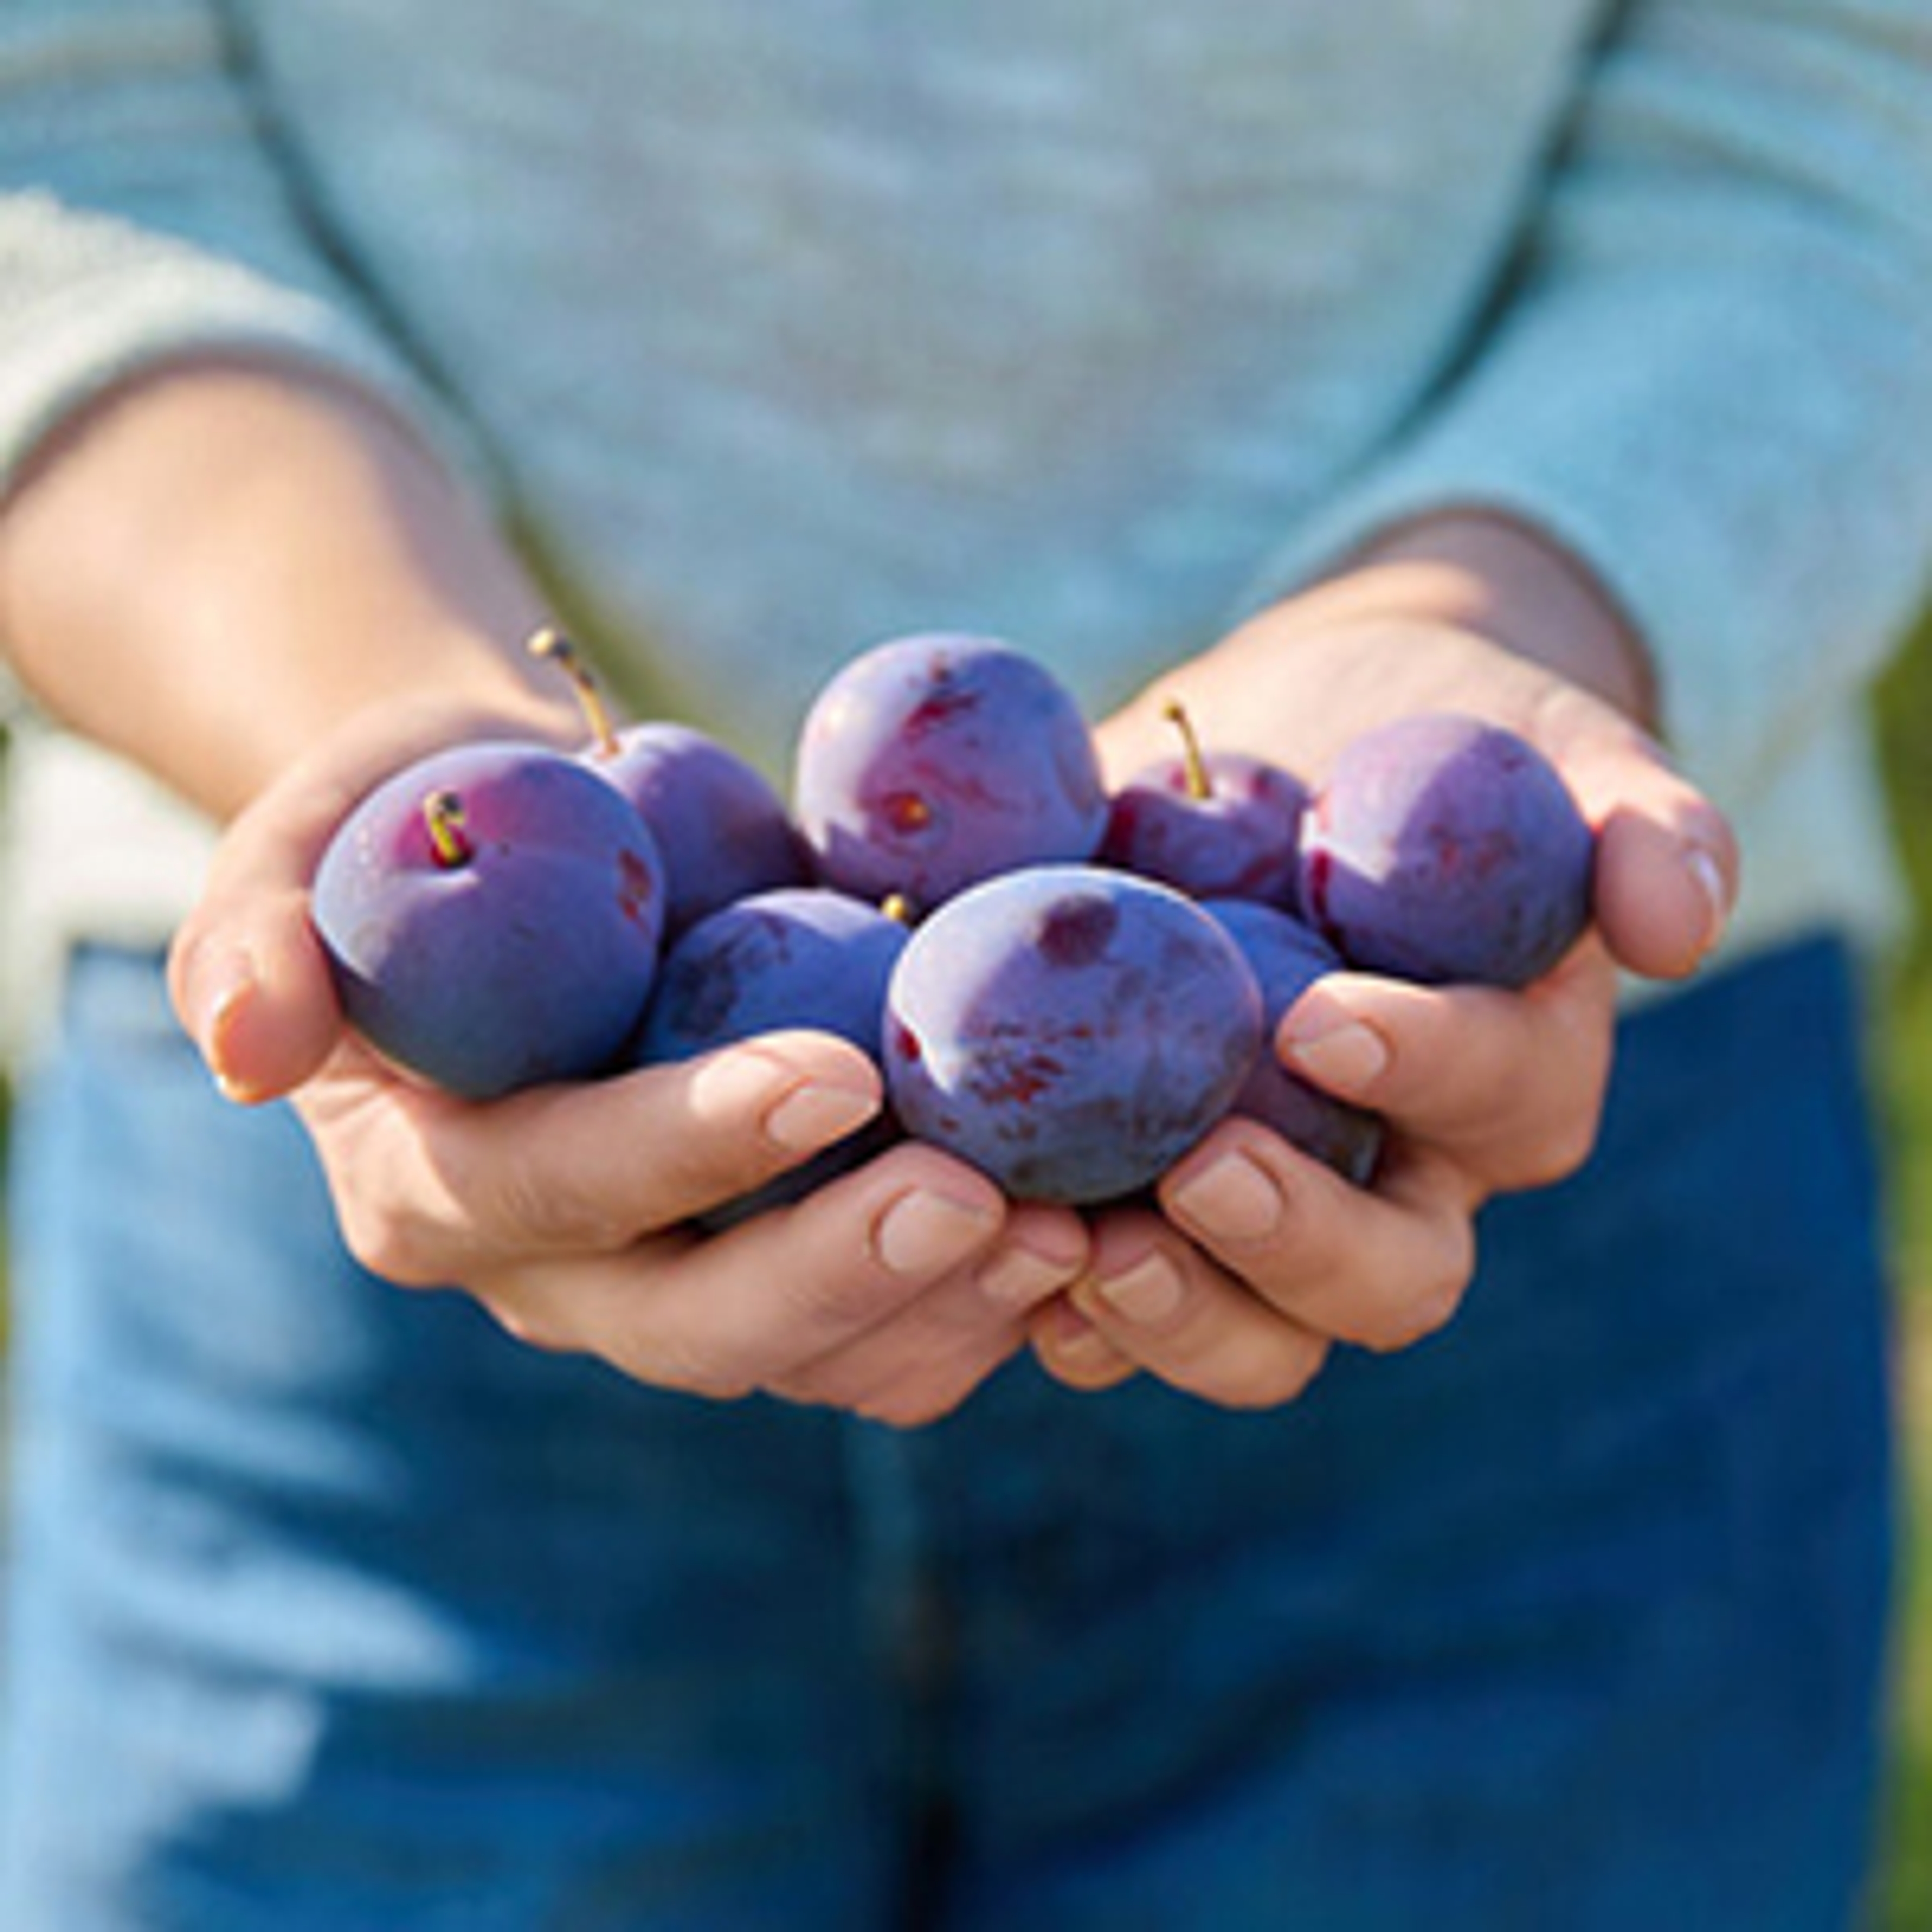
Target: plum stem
{"type": "Point", "coordinates": [442, 813]}
{"type": "Point", "coordinates": [550, 644]}
{"type": "Point", "coordinates": [1198, 784]}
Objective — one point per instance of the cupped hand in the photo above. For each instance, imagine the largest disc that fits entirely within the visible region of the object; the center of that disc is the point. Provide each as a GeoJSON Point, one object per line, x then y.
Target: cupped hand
{"type": "Point", "coordinates": [566, 1210]}
{"type": "Point", "coordinates": [1260, 1260]}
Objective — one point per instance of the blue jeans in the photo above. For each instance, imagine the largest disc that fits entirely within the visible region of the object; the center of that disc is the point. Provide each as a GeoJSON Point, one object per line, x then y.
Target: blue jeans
{"type": "Point", "coordinates": [334, 1608]}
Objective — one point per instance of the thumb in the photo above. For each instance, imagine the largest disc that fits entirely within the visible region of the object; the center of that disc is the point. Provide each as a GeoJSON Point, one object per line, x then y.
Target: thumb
{"type": "Point", "coordinates": [1667, 861]}
{"type": "Point", "coordinates": [1664, 890]}
{"type": "Point", "coordinates": [253, 988]}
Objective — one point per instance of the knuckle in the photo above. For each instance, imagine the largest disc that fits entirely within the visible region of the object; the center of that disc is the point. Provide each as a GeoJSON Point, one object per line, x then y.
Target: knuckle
{"type": "Point", "coordinates": [715, 1382]}
{"type": "Point", "coordinates": [1430, 1306]}
{"type": "Point", "coordinates": [840, 1299]}
{"type": "Point", "coordinates": [1560, 1150]}
{"type": "Point", "coordinates": [1087, 1371]}
{"type": "Point", "coordinates": [387, 1245]}
{"type": "Point", "coordinates": [910, 1407]}
{"type": "Point", "coordinates": [690, 1364]}
{"type": "Point", "coordinates": [1259, 1381]}
{"type": "Point", "coordinates": [899, 1389]}
{"type": "Point", "coordinates": [544, 1211]}
{"type": "Point", "coordinates": [700, 1167]}
{"type": "Point", "coordinates": [540, 1331]}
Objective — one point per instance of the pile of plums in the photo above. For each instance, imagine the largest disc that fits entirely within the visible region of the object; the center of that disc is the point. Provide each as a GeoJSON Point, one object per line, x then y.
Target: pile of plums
{"type": "Point", "coordinates": [1064, 987]}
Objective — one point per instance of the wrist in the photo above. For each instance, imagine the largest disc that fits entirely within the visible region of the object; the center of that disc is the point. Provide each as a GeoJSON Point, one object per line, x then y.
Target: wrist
{"type": "Point", "coordinates": [1485, 572]}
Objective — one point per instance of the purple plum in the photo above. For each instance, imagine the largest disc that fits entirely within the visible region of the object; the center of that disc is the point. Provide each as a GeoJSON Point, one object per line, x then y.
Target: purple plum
{"type": "Point", "coordinates": [1219, 824]}
{"type": "Point", "coordinates": [723, 831]}
{"type": "Point", "coordinates": [1288, 957]}
{"type": "Point", "coordinates": [931, 762]}
{"type": "Point", "coordinates": [795, 956]}
{"type": "Point", "coordinates": [1068, 1030]}
{"type": "Point", "coordinates": [492, 914]}
{"type": "Point", "coordinates": [1442, 848]}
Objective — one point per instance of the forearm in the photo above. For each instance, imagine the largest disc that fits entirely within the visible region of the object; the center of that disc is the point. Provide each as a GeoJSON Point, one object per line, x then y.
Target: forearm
{"type": "Point", "coordinates": [213, 567]}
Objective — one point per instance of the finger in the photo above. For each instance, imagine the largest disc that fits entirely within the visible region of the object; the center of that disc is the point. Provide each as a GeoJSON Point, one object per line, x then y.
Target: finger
{"type": "Point", "coordinates": [1162, 1305]}
{"type": "Point", "coordinates": [751, 1308]}
{"type": "Point", "coordinates": [252, 989]}
{"type": "Point", "coordinates": [1511, 1083]}
{"type": "Point", "coordinates": [1072, 1350]}
{"type": "Point", "coordinates": [1043, 1249]}
{"type": "Point", "coordinates": [1381, 1268]}
{"type": "Point", "coordinates": [1667, 861]}
{"type": "Point", "coordinates": [1664, 889]}
{"type": "Point", "coordinates": [925, 1360]}
{"type": "Point", "coordinates": [431, 1189]}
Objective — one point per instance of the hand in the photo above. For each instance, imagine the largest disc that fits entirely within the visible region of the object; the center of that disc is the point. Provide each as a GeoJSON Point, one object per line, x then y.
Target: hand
{"type": "Point", "coordinates": [1261, 1259]}
{"type": "Point", "coordinates": [564, 1210]}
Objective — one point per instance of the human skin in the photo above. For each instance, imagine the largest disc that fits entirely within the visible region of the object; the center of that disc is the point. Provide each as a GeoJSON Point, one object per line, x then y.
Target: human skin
{"type": "Point", "coordinates": [323, 605]}
{"type": "Point", "coordinates": [260, 587]}
{"type": "Point", "coordinates": [1263, 1258]}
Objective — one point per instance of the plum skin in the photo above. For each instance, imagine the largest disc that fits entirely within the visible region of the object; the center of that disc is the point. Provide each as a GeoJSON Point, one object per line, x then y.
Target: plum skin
{"type": "Point", "coordinates": [1442, 848]}
{"type": "Point", "coordinates": [932, 761]}
{"type": "Point", "coordinates": [721, 830]}
{"type": "Point", "coordinates": [1288, 956]}
{"type": "Point", "coordinates": [791, 956]}
{"type": "Point", "coordinates": [1241, 841]}
{"type": "Point", "coordinates": [1069, 1031]}
{"type": "Point", "coordinates": [532, 961]}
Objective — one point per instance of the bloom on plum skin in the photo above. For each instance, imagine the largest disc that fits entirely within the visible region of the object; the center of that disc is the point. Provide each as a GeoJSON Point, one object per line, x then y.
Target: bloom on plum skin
{"type": "Point", "coordinates": [1070, 1031]}
{"type": "Point", "coordinates": [934, 761]}
{"type": "Point", "coordinates": [794, 956]}
{"type": "Point", "coordinates": [491, 915]}
{"type": "Point", "coordinates": [1443, 848]}
{"type": "Point", "coordinates": [1288, 957]}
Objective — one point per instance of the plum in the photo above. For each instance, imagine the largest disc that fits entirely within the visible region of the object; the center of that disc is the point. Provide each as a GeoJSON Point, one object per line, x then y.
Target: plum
{"type": "Point", "coordinates": [1444, 847]}
{"type": "Point", "coordinates": [721, 830]}
{"type": "Point", "coordinates": [1288, 956]}
{"type": "Point", "coordinates": [1215, 823]}
{"type": "Point", "coordinates": [931, 762]}
{"type": "Point", "coordinates": [794, 956]}
{"type": "Point", "coordinates": [1068, 1030]}
{"type": "Point", "coordinates": [492, 914]}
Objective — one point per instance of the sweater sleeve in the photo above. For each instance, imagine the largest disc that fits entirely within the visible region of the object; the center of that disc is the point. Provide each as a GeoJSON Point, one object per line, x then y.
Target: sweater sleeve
{"type": "Point", "coordinates": [147, 215]}
{"type": "Point", "coordinates": [1710, 377]}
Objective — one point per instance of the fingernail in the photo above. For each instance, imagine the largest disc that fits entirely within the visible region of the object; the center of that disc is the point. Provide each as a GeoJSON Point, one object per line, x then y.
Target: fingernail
{"type": "Point", "coordinates": [221, 984]}
{"type": "Point", "coordinates": [1150, 1290]}
{"type": "Point", "coordinates": [1345, 1056]}
{"type": "Point", "coordinates": [817, 1114]}
{"type": "Point", "coordinates": [922, 1232]}
{"type": "Point", "coordinates": [1016, 1277]}
{"type": "Point", "coordinates": [1709, 878]}
{"type": "Point", "coordinates": [1234, 1199]}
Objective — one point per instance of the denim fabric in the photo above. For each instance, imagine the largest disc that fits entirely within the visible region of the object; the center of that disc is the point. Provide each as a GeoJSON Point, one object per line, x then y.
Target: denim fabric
{"type": "Point", "coordinates": [334, 1608]}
